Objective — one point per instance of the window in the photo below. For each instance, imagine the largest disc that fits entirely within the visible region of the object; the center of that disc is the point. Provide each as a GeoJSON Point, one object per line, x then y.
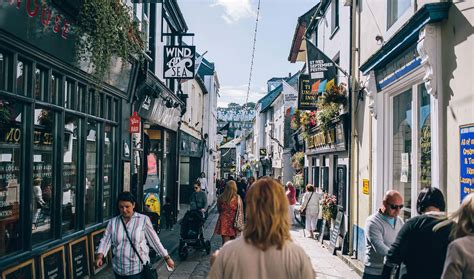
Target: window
{"type": "Point", "coordinates": [108, 175]}
{"type": "Point", "coordinates": [70, 176]}
{"type": "Point", "coordinates": [55, 88]}
{"type": "Point", "coordinates": [41, 84]}
{"type": "Point", "coordinates": [91, 173]}
{"type": "Point", "coordinates": [395, 9]}
{"type": "Point", "coordinates": [424, 135]}
{"type": "Point", "coordinates": [334, 15]}
{"type": "Point", "coordinates": [402, 146]}
{"type": "Point", "coordinates": [69, 95]}
{"type": "Point", "coordinates": [43, 183]}
{"type": "Point", "coordinates": [81, 98]}
{"type": "Point", "coordinates": [22, 77]}
{"type": "Point", "coordinates": [10, 164]}
{"type": "Point", "coordinates": [2, 71]}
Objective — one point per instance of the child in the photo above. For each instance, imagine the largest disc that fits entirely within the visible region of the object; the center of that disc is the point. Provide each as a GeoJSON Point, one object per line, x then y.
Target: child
{"type": "Point", "coordinates": [168, 213]}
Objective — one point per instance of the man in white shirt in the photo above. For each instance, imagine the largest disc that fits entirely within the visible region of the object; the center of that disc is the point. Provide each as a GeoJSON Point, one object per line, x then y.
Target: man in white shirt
{"type": "Point", "coordinates": [203, 181]}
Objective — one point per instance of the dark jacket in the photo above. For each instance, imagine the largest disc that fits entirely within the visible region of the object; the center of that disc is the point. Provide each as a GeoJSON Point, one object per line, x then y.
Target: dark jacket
{"type": "Point", "coordinates": [422, 250]}
{"type": "Point", "coordinates": [198, 200]}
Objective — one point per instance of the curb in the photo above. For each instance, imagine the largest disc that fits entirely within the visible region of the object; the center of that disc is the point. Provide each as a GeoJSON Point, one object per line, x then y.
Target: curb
{"type": "Point", "coordinates": [353, 264]}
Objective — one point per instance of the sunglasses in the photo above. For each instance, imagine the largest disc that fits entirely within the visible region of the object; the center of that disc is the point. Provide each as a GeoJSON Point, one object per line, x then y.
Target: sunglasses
{"type": "Point", "coordinates": [394, 206]}
{"type": "Point", "coordinates": [196, 187]}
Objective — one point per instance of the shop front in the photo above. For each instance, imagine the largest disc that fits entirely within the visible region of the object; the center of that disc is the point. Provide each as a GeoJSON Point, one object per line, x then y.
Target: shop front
{"type": "Point", "coordinates": [328, 161]}
{"type": "Point", "coordinates": [155, 156]}
{"type": "Point", "coordinates": [60, 158]}
{"type": "Point", "coordinates": [190, 153]}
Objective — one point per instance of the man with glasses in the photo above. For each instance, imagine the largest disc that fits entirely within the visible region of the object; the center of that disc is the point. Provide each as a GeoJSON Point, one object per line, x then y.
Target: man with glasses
{"type": "Point", "coordinates": [198, 199]}
{"type": "Point", "coordinates": [381, 229]}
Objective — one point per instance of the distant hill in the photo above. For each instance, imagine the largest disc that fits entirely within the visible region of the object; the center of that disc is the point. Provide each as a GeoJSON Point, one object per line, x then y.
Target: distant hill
{"type": "Point", "coordinates": [232, 120]}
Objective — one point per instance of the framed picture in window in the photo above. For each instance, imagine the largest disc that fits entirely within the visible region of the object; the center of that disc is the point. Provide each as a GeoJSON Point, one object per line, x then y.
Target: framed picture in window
{"type": "Point", "coordinates": [23, 270]}
{"type": "Point", "coordinates": [53, 264]}
{"type": "Point", "coordinates": [94, 241]}
{"type": "Point", "coordinates": [79, 258]}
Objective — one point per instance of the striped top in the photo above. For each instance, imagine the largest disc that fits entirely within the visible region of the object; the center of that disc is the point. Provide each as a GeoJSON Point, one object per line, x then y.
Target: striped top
{"type": "Point", "coordinates": [125, 261]}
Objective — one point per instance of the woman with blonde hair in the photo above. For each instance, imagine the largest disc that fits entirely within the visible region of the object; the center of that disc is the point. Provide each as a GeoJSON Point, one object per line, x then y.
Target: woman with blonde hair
{"type": "Point", "coordinates": [227, 205]}
{"type": "Point", "coordinates": [266, 249]}
{"type": "Point", "coordinates": [460, 254]}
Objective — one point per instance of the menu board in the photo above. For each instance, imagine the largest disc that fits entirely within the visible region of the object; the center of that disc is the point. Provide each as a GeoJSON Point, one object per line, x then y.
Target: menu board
{"type": "Point", "coordinates": [335, 232]}
{"type": "Point", "coordinates": [53, 264]}
{"type": "Point", "coordinates": [23, 270]}
{"type": "Point", "coordinates": [94, 240]}
{"type": "Point", "coordinates": [79, 258]}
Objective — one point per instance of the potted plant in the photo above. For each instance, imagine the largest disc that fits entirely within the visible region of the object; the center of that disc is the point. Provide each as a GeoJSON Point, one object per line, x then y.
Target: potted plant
{"type": "Point", "coordinates": [328, 207]}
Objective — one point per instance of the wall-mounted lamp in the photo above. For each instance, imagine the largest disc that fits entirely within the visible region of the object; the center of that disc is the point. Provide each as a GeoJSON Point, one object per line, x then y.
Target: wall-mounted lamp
{"type": "Point", "coordinates": [379, 40]}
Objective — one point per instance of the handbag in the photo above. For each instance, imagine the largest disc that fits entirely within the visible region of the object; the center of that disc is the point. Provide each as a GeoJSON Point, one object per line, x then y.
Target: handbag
{"type": "Point", "coordinates": [303, 211]}
{"type": "Point", "coordinates": [239, 218]}
{"type": "Point", "coordinates": [148, 272]}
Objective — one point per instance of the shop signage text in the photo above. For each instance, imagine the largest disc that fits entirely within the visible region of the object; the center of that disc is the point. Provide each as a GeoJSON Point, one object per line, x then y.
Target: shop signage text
{"type": "Point", "coordinates": [39, 137]}
{"type": "Point", "coordinates": [466, 137]}
{"type": "Point", "coordinates": [179, 62]}
{"type": "Point", "coordinates": [263, 152]}
{"type": "Point", "coordinates": [134, 123]}
{"type": "Point", "coordinates": [34, 9]}
{"type": "Point", "coordinates": [328, 141]}
{"type": "Point", "coordinates": [307, 98]}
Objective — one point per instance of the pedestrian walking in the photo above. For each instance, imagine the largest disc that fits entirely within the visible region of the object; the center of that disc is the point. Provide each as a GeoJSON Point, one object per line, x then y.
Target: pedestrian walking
{"type": "Point", "coordinates": [381, 229]}
{"type": "Point", "coordinates": [168, 213]}
{"type": "Point", "coordinates": [128, 235]}
{"type": "Point", "coordinates": [291, 195]}
{"type": "Point", "coordinates": [266, 249]}
{"type": "Point", "coordinates": [310, 208]}
{"type": "Point", "coordinates": [250, 182]}
{"type": "Point", "coordinates": [227, 205]}
{"type": "Point", "coordinates": [203, 181]}
{"type": "Point", "coordinates": [198, 199]}
{"type": "Point", "coordinates": [460, 255]}
{"type": "Point", "coordinates": [417, 245]}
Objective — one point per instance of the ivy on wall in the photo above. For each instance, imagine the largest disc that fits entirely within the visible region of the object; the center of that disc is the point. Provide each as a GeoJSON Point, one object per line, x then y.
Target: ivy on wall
{"type": "Point", "coordinates": [106, 29]}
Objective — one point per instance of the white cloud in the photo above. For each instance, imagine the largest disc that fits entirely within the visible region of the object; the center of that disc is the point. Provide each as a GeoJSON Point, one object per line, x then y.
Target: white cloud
{"type": "Point", "coordinates": [234, 10]}
{"type": "Point", "coordinates": [238, 94]}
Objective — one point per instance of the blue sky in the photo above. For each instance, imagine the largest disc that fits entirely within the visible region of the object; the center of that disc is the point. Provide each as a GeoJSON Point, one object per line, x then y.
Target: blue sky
{"type": "Point", "coordinates": [225, 28]}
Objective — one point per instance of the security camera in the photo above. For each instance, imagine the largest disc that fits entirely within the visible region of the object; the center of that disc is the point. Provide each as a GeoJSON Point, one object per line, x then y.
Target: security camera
{"type": "Point", "coordinates": [379, 39]}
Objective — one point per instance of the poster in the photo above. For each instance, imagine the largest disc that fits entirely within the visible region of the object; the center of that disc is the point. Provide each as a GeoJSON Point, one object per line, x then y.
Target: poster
{"type": "Point", "coordinates": [53, 264]}
{"type": "Point", "coordinates": [466, 137]}
{"type": "Point", "coordinates": [404, 168]}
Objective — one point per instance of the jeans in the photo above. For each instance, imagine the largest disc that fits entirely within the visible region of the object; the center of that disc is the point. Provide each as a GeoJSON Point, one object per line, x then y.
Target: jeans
{"type": "Point", "coordinates": [370, 276]}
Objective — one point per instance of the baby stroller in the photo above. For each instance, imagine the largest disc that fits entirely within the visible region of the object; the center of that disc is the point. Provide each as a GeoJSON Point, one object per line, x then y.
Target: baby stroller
{"type": "Point", "coordinates": [192, 234]}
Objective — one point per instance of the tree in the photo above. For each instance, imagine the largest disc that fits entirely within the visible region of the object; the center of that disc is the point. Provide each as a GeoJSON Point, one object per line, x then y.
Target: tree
{"type": "Point", "coordinates": [250, 105]}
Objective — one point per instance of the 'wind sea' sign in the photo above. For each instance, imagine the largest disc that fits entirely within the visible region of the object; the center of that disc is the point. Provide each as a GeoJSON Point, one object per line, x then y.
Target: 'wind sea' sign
{"type": "Point", "coordinates": [179, 62]}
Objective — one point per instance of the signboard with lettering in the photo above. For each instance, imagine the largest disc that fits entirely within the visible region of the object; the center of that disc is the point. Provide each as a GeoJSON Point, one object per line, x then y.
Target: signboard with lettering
{"type": "Point", "coordinates": [365, 186]}
{"type": "Point", "coordinates": [134, 123]}
{"type": "Point", "coordinates": [466, 137]}
{"type": "Point", "coordinates": [306, 97]}
{"type": "Point", "coordinates": [263, 152]}
{"type": "Point", "coordinates": [23, 270]}
{"type": "Point", "coordinates": [53, 264]}
{"type": "Point", "coordinates": [179, 62]}
{"type": "Point", "coordinates": [341, 176]}
{"type": "Point", "coordinates": [335, 232]}
{"type": "Point", "coordinates": [94, 241]}
{"type": "Point", "coordinates": [79, 258]}
{"type": "Point", "coordinates": [331, 140]}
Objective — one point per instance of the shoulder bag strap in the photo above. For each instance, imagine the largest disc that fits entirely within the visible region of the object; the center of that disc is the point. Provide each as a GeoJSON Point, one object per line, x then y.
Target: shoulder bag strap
{"type": "Point", "coordinates": [308, 200]}
{"type": "Point", "coordinates": [131, 243]}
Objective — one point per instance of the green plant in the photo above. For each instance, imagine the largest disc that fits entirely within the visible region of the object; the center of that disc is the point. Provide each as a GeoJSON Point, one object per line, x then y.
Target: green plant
{"type": "Point", "coordinates": [298, 180]}
{"type": "Point", "coordinates": [297, 160]}
{"type": "Point", "coordinates": [105, 29]}
{"type": "Point", "coordinates": [326, 113]}
{"type": "Point", "coordinates": [329, 207]}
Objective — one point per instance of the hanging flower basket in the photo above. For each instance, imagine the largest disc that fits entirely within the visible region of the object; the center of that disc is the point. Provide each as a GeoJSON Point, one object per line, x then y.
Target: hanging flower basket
{"type": "Point", "coordinates": [329, 207]}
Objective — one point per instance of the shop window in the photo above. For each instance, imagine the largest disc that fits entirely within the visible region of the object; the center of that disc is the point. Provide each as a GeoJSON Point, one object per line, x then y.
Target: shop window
{"type": "Point", "coordinates": [109, 143]}
{"type": "Point", "coordinates": [108, 108]}
{"type": "Point", "coordinates": [91, 173]}
{"type": "Point", "coordinates": [401, 148]}
{"type": "Point", "coordinates": [2, 71]}
{"type": "Point", "coordinates": [43, 183]}
{"type": "Point", "coordinates": [395, 9]}
{"type": "Point", "coordinates": [424, 131]}
{"type": "Point", "coordinates": [90, 103]}
{"type": "Point", "coordinates": [115, 111]}
{"type": "Point", "coordinates": [99, 104]}
{"type": "Point", "coordinates": [10, 164]}
{"type": "Point", "coordinates": [41, 84]}
{"type": "Point", "coordinates": [70, 176]}
{"type": "Point", "coordinates": [81, 98]}
{"type": "Point", "coordinates": [22, 77]}
{"type": "Point", "coordinates": [69, 94]}
{"type": "Point", "coordinates": [55, 88]}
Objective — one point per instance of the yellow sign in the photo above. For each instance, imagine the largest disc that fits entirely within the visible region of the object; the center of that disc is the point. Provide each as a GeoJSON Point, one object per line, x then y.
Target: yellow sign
{"type": "Point", "coordinates": [365, 186]}
{"type": "Point", "coordinates": [153, 203]}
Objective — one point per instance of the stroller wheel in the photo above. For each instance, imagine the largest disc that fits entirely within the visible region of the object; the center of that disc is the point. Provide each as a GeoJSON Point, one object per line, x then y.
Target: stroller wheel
{"type": "Point", "coordinates": [207, 245]}
{"type": "Point", "coordinates": [182, 250]}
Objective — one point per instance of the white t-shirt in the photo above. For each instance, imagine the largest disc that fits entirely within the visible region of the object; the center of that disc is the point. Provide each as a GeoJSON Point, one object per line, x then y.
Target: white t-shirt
{"type": "Point", "coordinates": [203, 181]}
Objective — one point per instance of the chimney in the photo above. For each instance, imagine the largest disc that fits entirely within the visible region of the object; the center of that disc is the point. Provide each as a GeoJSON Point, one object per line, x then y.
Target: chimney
{"type": "Point", "coordinates": [289, 74]}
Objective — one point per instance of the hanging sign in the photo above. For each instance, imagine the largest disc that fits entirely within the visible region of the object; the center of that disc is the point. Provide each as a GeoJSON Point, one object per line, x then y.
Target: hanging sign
{"type": "Point", "coordinates": [319, 65]}
{"type": "Point", "coordinates": [466, 137]}
{"type": "Point", "coordinates": [134, 123]}
{"type": "Point", "coordinates": [306, 97]}
{"type": "Point", "coordinates": [263, 152]}
{"type": "Point", "coordinates": [179, 62]}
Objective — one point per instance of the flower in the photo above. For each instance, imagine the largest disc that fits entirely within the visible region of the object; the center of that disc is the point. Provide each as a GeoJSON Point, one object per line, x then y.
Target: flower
{"type": "Point", "coordinates": [329, 207]}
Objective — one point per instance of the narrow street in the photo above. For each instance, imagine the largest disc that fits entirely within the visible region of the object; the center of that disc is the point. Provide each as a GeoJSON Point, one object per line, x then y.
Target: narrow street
{"type": "Point", "coordinates": [197, 264]}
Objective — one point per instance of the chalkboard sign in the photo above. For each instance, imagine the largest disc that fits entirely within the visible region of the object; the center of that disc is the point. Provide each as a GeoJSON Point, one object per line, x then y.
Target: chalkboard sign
{"type": "Point", "coordinates": [79, 258]}
{"type": "Point", "coordinates": [23, 270]}
{"type": "Point", "coordinates": [53, 264]}
{"type": "Point", "coordinates": [323, 230]}
{"type": "Point", "coordinates": [341, 185]}
{"type": "Point", "coordinates": [94, 240]}
{"type": "Point", "coordinates": [335, 232]}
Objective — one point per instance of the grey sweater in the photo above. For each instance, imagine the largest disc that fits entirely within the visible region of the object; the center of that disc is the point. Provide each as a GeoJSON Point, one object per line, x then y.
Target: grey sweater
{"type": "Point", "coordinates": [379, 236]}
{"type": "Point", "coordinates": [198, 200]}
